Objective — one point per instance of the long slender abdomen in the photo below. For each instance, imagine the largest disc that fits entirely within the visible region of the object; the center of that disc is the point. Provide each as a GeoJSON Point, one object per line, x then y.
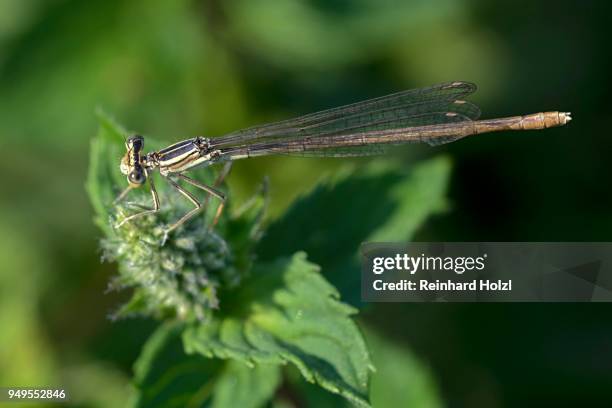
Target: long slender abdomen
{"type": "Point", "coordinates": [534, 121]}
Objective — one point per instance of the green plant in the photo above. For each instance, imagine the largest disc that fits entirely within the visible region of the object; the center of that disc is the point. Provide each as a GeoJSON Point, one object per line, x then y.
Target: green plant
{"type": "Point", "coordinates": [244, 312]}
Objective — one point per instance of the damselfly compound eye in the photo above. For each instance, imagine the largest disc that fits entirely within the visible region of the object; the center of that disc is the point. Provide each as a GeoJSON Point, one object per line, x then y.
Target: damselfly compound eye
{"type": "Point", "coordinates": [135, 142]}
{"type": "Point", "coordinates": [136, 177]}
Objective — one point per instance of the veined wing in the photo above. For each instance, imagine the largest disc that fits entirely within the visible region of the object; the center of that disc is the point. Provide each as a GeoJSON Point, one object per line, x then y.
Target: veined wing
{"type": "Point", "coordinates": [449, 127]}
{"type": "Point", "coordinates": [358, 129]}
{"type": "Point", "coordinates": [387, 112]}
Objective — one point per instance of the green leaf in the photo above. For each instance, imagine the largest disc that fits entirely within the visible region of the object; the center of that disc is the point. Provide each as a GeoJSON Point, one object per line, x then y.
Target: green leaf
{"type": "Point", "coordinates": [242, 386]}
{"type": "Point", "coordinates": [381, 202]}
{"type": "Point", "coordinates": [401, 379]}
{"type": "Point", "coordinates": [420, 194]}
{"type": "Point", "coordinates": [167, 377]}
{"type": "Point", "coordinates": [308, 394]}
{"type": "Point", "coordinates": [289, 313]}
{"type": "Point", "coordinates": [103, 176]}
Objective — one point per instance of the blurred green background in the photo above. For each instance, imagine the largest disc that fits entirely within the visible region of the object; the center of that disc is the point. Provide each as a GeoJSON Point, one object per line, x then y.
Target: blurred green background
{"type": "Point", "coordinates": [175, 69]}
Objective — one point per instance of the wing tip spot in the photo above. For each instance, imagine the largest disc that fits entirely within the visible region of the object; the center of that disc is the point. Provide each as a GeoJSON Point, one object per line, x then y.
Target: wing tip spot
{"type": "Point", "coordinates": [459, 84]}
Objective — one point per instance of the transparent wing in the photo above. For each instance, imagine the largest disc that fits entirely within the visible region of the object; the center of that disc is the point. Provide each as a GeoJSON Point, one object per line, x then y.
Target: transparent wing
{"type": "Point", "coordinates": [329, 133]}
{"type": "Point", "coordinates": [448, 127]}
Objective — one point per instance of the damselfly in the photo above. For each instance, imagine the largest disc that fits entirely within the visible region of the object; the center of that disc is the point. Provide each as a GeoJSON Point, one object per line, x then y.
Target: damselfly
{"type": "Point", "coordinates": [433, 115]}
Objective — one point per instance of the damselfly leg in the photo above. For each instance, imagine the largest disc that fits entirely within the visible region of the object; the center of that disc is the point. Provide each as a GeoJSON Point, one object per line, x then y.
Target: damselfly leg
{"type": "Point", "coordinates": [198, 205]}
{"type": "Point", "coordinates": [209, 190]}
{"type": "Point", "coordinates": [192, 198]}
{"type": "Point", "coordinates": [155, 208]}
{"type": "Point", "coordinates": [227, 167]}
{"type": "Point", "coordinates": [123, 194]}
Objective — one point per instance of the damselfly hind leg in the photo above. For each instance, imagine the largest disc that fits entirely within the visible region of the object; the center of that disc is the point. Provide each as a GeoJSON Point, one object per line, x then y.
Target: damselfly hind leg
{"type": "Point", "coordinates": [147, 211]}
{"type": "Point", "coordinates": [211, 191]}
{"type": "Point", "coordinates": [227, 167]}
{"type": "Point", "coordinates": [191, 198]}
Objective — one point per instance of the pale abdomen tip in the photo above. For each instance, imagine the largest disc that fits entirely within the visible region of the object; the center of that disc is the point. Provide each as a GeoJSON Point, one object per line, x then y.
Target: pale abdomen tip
{"type": "Point", "coordinates": [565, 117]}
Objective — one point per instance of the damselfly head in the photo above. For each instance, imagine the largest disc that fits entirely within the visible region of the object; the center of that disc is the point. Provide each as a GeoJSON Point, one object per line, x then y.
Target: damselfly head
{"type": "Point", "coordinates": [130, 163]}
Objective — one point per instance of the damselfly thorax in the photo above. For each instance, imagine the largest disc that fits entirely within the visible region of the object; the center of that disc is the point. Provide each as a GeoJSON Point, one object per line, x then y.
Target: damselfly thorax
{"type": "Point", "coordinates": [435, 115]}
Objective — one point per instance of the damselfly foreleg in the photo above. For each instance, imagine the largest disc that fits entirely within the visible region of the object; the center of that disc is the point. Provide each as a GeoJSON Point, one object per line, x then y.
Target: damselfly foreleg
{"type": "Point", "coordinates": [147, 210]}
{"type": "Point", "coordinates": [123, 194]}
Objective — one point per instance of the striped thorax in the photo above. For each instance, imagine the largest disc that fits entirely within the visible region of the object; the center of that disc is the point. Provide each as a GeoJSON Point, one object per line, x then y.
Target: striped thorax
{"type": "Point", "coordinates": [184, 155]}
